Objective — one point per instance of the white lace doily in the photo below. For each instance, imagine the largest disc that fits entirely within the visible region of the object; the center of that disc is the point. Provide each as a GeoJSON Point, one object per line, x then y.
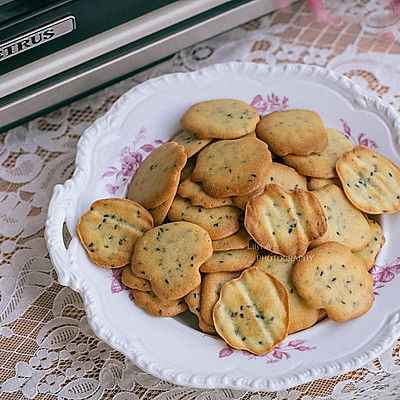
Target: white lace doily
{"type": "Point", "coordinates": [47, 349]}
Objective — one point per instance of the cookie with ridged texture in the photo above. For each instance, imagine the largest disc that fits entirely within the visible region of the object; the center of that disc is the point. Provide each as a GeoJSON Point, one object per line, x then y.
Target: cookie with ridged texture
{"type": "Point", "coordinates": [298, 132]}
{"type": "Point", "coordinates": [170, 256]}
{"type": "Point", "coordinates": [232, 167]}
{"type": "Point", "coordinates": [110, 228]}
{"type": "Point", "coordinates": [198, 197]}
{"type": "Point", "coordinates": [220, 119]}
{"type": "Point", "coordinates": [369, 252]}
{"type": "Point", "coordinates": [286, 177]}
{"type": "Point", "coordinates": [252, 312]}
{"type": "Point", "coordinates": [210, 291]}
{"type": "Point", "coordinates": [239, 240]}
{"type": "Point", "coordinates": [371, 182]}
{"type": "Point", "coordinates": [300, 316]}
{"type": "Point", "coordinates": [187, 169]}
{"type": "Point", "coordinates": [156, 306]}
{"type": "Point", "coordinates": [333, 278]}
{"type": "Point", "coordinates": [157, 177]}
{"type": "Point", "coordinates": [133, 281]}
{"type": "Point", "coordinates": [284, 222]}
{"type": "Point", "coordinates": [346, 224]}
{"type": "Point", "coordinates": [190, 142]}
{"type": "Point", "coordinates": [318, 183]}
{"type": "Point", "coordinates": [218, 222]}
{"type": "Point", "coordinates": [322, 164]}
{"type": "Point", "coordinates": [230, 260]}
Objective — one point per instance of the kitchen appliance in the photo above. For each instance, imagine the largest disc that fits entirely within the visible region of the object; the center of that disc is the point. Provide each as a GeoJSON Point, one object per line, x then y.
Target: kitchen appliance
{"type": "Point", "coordinates": [52, 52]}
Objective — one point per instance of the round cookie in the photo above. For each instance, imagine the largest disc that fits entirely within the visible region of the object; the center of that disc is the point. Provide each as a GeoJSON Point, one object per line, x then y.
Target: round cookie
{"type": "Point", "coordinates": [220, 119]}
{"type": "Point", "coordinates": [371, 182]}
{"type": "Point", "coordinates": [284, 222]}
{"type": "Point", "coordinates": [190, 142]}
{"type": "Point", "coordinates": [300, 316]}
{"type": "Point", "coordinates": [346, 224]}
{"type": "Point", "coordinates": [133, 281]}
{"type": "Point", "coordinates": [333, 278]}
{"type": "Point", "coordinates": [157, 177]}
{"type": "Point", "coordinates": [252, 312]}
{"type": "Point", "coordinates": [109, 230]}
{"type": "Point", "coordinates": [239, 240]}
{"type": "Point", "coordinates": [170, 256]}
{"type": "Point", "coordinates": [323, 164]}
{"type": "Point", "coordinates": [298, 132]}
{"type": "Point", "coordinates": [232, 167]}
{"type": "Point", "coordinates": [218, 222]}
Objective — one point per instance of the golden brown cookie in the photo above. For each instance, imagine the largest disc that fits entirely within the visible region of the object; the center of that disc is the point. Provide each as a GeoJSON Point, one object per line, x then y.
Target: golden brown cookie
{"type": "Point", "coordinates": [198, 197]}
{"type": "Point", "coordinates": [298, 132]}
{"type": "Point", "coordinates": [333, 278]}
{"type": "Point", "coordinates": [110, 228]}
{"type": "Point", "coordinates": [371, 182]}
{"type": "Point", "coordinates": [346, 224]}
{"type": "Point", "coordinates": [159, 213]}
{"type": "Point", "coordinates": [187, 169]}
{"type": "Point", "coordinates": [284, 223]}
{"type": "Point", "coordinates": [133, 281]}
{"type": "Point", "coordinates": [301, 316]}
{"type": "Point", "coordinates": [252, 312]}
{"type": "Point", "coordinates": [210, 291]}
{"type": "Point", "coordinates": [232, 167]}
{"type": "Point", "coordinates": [369, 252]}
{"type": "Point", "coordinates": [190, 142]}
{"type": "Point", "coordinates": [156, 306]}
{"type": "Point", "coordinates": [157, 177]}
{"type": "Point", "coordinates": [218, 222]}
{"type": "Point", "coordinates": [220, 119]}
{"type": "Point", "coordinates": [322, 164]}
{"type": "Point", "coordinates": [230, 260]}
{"type": "Point", "coordinates": [318, 183]}
{"type": "Point", "coordinates": [170, 256]}
{"type": "Point", "coordinates": [239, 240]}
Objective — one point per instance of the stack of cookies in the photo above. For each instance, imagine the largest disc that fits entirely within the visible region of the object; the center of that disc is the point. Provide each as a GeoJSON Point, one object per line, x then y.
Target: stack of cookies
{"type": "Point", "coordinates": [258, 227]}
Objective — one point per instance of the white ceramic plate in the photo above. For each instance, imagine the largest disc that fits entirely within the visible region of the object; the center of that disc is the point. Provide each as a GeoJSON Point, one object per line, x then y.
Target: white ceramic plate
{"type": "Point", "coordinates": [172, 348]}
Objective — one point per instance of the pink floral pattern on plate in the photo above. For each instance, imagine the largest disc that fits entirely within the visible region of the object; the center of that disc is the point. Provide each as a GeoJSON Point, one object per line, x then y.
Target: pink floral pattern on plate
{"type": "Point", "coordinates": [130, 158]}
{"type": "Point", "coordinates": [270, 103]}
{"type": "Point", "coordinates": [384, 274]}
{"type": "Point", "coordinates": [361, 139]}
{"type": "Point", "coordinates": [280, 352]}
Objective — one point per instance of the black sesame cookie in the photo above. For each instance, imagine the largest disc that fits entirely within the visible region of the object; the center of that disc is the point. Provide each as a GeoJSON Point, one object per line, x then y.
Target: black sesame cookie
{"type": "Point", "coordinates": [298, 132]}
{"type": "Point", "coordinates": [230, 260]}
{"type": "Point", "coordinates": [210, 291]}
{"type": "Point", "coordinates": [157, 177]}
{"type": "Point", "coordinates": [322, 164]}
{"type": "Point", "coordinates": [371, 182]}
{"type": "Point", "coordinates": [198, 197]}
{"type": "Point", "coordinates": [318, 183]}
{"type": "Point", "coordinates": [190, 142]}
{"type": "Point", "coordinates": [239, 240]}
{"type": "Point", "coordinates": [133, 281]}
{"type": "Point", "coordinates": [159, 213]}
{"type": "Point", "coordinates": [369, 252]}
{"type": "Point", "coordinates": [285, 222]}
{"type": "Point", "coordinates": [252, 312]}
{"type": "Point", "coordinates": [220, 119]}
{"type": "Point", "coordinates": [110, 228]}
{"type": "Point", "coordinates": [301, 316]}
{"type": "Point", "coordinates": [219, 222]}
{"type": "Point", "coordinates": [333, 278]}
{"type": "Point", "coordinates": [157, 306]}
{"type": "Point", "coordinates": [170, 256]}
{"type": "Point", "coordinates": [232, 167]}
{"type": "Point", "coordinates": [346, 224]}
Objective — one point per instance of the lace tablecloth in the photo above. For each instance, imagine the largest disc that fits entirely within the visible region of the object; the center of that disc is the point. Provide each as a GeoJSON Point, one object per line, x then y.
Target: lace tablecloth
{"type": "Point", "coordinates": [47, 349]}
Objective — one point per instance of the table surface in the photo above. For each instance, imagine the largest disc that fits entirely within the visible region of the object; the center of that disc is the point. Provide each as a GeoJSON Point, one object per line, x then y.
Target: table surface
{"type": "Point", "coordinates": [47, 349]}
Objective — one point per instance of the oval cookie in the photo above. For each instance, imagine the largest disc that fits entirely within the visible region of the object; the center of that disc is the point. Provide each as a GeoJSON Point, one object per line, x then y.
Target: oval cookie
{"type": "Point", "coordinates": [170, 256]}
{"type": "Point", "coordinates": [157, 177]}
{"type": "Point", "coordinates": [371, 182]}
{"type": "Point", "coordinates": [220, 119]}
{"type": "Point", "coordinates": [239, 240]}
{"type": "Point", "coordinates": [333, 278]}
{"type": "Point", "coordinates": [110, 228]}
{"type": "Point", "coordinates": [298, 132]}
{"type": "Point", "coordinates": [232, 167]}
{"type": "Point", "coordinates": [252, 312]}
{"type": "Point", "coordinates": [284, 223]}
